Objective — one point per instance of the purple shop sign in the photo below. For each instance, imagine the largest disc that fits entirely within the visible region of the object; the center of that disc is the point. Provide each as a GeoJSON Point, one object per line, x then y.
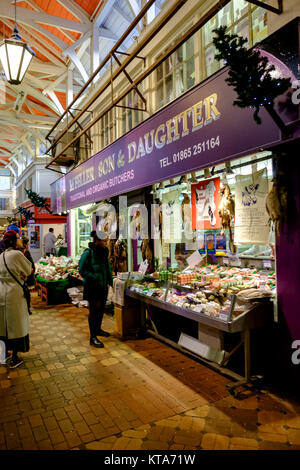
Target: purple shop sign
{"type": "Point", "coordinates": [201, 128]}
{"type": "Point", "coordinates": [58, 196]}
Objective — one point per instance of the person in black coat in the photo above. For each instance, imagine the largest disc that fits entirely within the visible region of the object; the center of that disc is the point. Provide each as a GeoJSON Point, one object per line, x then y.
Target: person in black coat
{"type": "Point", "coordinates": [95, 270]}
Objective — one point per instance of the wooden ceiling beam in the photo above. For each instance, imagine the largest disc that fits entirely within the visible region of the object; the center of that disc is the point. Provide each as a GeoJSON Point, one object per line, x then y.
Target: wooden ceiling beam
{"type": "Point", "coordinates": [27, 16]}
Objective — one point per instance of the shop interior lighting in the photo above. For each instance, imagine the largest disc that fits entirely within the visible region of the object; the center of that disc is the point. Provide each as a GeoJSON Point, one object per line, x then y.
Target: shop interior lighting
{"type": "Point", "coordinates": [15, 56]}
{"type": "Point", "coordinates": [207, 173]}
{"type": "Point", "coordinates": [153, 190]}
{"type": "Point", "coordinates": [193, 177]}
{"type": "Point", "coordinates": [183, 179]}
{"type": "Point", "coordinates": [228, 169]}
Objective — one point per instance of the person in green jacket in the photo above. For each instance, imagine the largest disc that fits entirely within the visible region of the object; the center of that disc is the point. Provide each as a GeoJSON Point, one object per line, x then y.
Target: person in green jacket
{"type": "Point", "coordinates": [95, 269]}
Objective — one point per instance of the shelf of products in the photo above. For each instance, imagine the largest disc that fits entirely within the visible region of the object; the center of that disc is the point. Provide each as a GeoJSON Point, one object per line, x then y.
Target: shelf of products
{"type": "Point", "coordinates": [56, 268]}
{"type": "Point", "coordinates": [220, 297]}
{"type": "Point", "coordinates": [54, 276]}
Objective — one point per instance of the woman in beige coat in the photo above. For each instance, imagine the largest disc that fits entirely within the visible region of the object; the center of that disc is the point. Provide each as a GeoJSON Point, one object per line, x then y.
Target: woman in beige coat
{"type": "Point", "coordinates": [14, 317]}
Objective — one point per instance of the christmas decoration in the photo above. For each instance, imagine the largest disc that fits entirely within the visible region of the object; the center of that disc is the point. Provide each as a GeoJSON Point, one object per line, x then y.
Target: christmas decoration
{"type": "Point", "coordinates": [25, 213]}
{"type": "Point", "coordinates": [11, 220]}
{"type": "Point", "coordinates": [250, 75]}
{"type": "Point", "coordinates": [37, 200]}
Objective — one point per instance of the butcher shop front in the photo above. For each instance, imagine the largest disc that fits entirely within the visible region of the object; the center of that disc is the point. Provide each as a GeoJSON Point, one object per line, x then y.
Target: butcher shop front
{"type": "Point", "coordinates": [201, 209]}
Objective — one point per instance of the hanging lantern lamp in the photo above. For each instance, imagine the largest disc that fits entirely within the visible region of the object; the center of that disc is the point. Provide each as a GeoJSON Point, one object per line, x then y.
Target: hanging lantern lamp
{"type": "Point", "coordinates": [15, 56]}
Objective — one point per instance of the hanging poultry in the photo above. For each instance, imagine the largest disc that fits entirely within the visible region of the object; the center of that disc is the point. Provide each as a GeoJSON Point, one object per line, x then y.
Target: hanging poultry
{"type": "Point", "coordinates": [226, 207]}
{"type": "Point", "coordinates": [276, 204]}
{"type": "Point", "coordinates": [226, 213]}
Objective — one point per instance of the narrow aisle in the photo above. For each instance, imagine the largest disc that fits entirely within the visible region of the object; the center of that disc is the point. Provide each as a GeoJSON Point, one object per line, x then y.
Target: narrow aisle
{"type": "Point", "coordinates": [138, 394]}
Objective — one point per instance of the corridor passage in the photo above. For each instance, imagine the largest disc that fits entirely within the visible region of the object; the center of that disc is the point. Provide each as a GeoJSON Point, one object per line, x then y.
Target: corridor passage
{"type": "Point", "coordinates": [130, 395]}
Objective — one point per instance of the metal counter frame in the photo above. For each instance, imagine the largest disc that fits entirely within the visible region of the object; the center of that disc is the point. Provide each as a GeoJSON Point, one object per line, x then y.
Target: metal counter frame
{"type": "Point", "coordinates": [255, 317]}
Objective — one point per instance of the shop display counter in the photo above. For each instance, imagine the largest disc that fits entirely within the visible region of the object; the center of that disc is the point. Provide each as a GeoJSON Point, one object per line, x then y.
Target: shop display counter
{"type": "Point", "coordinates": [259, 262]}
{"type": "Point", "coordinates": [253, 318]}
{"type": "Point", "coordinates": [208, 346]}
{"type": "Point", "coordinates": [53, 292]}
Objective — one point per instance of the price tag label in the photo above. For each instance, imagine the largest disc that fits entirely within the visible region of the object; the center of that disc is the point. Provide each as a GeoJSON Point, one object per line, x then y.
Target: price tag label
{"type": "Point", "coordinates": [267, 264]}
{"type": "Point", "coordinates": [194, 259]}
{"type": "Point", "coordinates": [226, 261]}
{"type": "Point", "coordinates": [235, 261]}
{"type": "Point", "coordinates": [143, 267]}
{"type": "Point", "coordinates": [198, 308]}
{"type": "Point", "coordinates": [223, 317]}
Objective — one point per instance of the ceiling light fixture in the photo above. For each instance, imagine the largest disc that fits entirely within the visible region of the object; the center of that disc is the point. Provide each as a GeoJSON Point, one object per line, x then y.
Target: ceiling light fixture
{"type": "Point", "coordinates": [183, 179]}
{"type": "Point", "coordinates": [194, 177]}
{"type": "Point", "coordinates": [207, 173]}
{"type": "Point", "coordinates": [15, 56]}
{"type": "Point", "coordinates": [228, 168]}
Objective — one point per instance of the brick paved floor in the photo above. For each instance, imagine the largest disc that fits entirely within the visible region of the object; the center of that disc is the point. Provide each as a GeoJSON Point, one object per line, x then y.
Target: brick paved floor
{"type": "Point", "coordinates": [137, 394]}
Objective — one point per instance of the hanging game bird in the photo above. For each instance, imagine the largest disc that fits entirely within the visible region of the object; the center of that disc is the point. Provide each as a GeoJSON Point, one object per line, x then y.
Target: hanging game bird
{"type": "Point", "coordinates": [276, 204]}
{"type": "Point", "coordinates": [226, 213]}
{"type": "Point", "coordinates": [226, 207]}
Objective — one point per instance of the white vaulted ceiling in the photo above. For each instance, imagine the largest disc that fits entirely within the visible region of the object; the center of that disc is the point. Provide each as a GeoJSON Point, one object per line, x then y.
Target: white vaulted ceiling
{"type": "Point", "coordinates": [64, 35]}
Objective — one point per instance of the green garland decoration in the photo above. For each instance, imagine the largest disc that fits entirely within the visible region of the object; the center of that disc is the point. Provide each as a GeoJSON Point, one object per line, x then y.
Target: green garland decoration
{"type": "Point", "coordinates": [11, 220]}
{"type": "Point", "coordinates": [250, 75]}
{"type": "Point", "coordinates": [37, 200]}
{"type": "Point", "coordinates": [25, 213]}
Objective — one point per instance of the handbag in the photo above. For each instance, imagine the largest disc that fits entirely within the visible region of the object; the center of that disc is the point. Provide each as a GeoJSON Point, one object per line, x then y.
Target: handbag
{"type": "Point", "coordinates": [24, 286]}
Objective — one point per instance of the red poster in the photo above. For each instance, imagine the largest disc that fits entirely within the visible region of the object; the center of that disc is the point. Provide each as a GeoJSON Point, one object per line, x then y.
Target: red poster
{"type": "Point", "coordinates": [205, 203]}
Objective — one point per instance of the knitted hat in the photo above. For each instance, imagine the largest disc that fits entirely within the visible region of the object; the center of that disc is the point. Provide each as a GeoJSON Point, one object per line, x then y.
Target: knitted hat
{"type": "Point", "coordinates": [9, 238]}
{"type": "Point", "coordinates": [14, 228]}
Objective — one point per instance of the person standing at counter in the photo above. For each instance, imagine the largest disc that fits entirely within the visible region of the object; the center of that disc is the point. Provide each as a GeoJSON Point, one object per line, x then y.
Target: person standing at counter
{"type": "Point", "coordinates": [95, 269]}
{"type": "Point", "coordinates": [49, 242]}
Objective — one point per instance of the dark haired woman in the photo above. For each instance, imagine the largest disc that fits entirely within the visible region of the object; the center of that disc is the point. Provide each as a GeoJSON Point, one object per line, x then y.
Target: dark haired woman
{"type": "Point", "coordinates": [95, 270]}
{"type": "Point", "coordinates": [14, 317]}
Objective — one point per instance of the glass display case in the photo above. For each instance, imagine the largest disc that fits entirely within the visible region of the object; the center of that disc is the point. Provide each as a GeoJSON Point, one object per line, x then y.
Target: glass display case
{"type": "Point", "coordinates": [196, 311]}
{"type": "Point", "coordinates": [214, 295]}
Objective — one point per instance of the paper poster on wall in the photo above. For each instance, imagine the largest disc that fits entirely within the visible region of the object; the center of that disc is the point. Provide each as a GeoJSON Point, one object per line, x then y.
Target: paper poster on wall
{"type": "Point", "coordinates": [35, 236]}
{"type": "Point", "coordinates": [171, 217]}
{"type": "Point", "coordinates": [205, 202]}
{"type": "Point", "coordinates": [165, 250]}
{"type": "Point", "coordinates": [251, 217]}
{"type": "Point", "coordinates": [191, 243]}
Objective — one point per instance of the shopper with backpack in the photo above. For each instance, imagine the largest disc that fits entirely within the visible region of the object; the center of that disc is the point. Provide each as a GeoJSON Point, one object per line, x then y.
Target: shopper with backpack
{"type": "Point", "coordinates": [95, 270]}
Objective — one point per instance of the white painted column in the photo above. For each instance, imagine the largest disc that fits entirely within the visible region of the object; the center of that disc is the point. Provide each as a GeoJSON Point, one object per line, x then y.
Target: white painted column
{"type": "Point", "coordinates": [95, 57]}
{"type": "Point", "coordinates": [70, 94]}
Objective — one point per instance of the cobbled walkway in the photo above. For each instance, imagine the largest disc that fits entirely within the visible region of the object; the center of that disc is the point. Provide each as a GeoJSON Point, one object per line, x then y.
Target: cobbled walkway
{"type": "Point", "coordinates": [130, 395]}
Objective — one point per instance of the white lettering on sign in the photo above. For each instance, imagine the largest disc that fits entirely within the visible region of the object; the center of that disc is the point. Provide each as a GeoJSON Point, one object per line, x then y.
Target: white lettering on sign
{"type": "Point", "coordinates": [201, 114]}
{"type": "Point", "coordinates": [81, 179]}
